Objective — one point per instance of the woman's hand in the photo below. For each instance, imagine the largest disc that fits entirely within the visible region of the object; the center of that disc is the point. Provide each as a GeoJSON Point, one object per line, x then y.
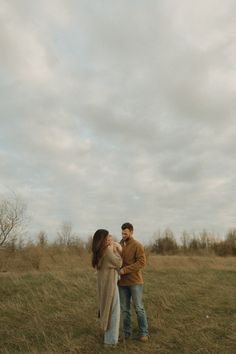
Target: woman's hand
{"type": "Point", "coordinates": [109, 240]}
{"type": "Point", "coordinates": [122, 272]}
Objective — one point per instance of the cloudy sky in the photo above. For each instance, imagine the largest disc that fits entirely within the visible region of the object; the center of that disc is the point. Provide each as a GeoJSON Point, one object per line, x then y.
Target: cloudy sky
{"type": "Point", "coordinates": [115, 111]}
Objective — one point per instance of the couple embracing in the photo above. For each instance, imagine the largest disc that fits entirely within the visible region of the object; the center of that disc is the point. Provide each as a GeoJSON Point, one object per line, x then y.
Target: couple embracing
{"type": "Point", "coordinates": [119, 280]}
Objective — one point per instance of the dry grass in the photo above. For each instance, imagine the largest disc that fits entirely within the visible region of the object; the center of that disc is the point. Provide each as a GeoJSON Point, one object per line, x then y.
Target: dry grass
{"type": "Point", "coordinates": [190, 302]}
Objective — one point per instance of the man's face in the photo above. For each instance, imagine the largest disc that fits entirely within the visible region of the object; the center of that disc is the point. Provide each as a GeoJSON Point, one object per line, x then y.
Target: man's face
{"type": "Point", "coordinates": [126, 234]}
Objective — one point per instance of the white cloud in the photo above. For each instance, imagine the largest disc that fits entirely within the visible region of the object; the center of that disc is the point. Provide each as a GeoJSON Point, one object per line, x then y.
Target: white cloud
{"type": "Point", "coordinates": [119, 111]}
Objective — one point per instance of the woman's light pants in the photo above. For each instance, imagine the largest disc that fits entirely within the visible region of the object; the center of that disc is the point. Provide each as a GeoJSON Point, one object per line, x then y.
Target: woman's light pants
{"type": "Point", "coordinates": [112, 333]}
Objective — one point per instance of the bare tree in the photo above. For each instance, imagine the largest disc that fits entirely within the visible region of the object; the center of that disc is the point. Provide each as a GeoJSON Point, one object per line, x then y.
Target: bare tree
{"type": "Point", "coordinates": [12, 215]}
{"type": "Point", "coordinates": [185, 240]}
{"type": "Point", "coordinates": [65, 235]}
{"type": "Point", "coordinates": [42, 239]}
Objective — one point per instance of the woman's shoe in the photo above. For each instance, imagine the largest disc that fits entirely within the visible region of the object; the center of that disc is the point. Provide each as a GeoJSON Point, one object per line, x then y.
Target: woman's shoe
{"type": "Point", "coordinates": [106, 345]}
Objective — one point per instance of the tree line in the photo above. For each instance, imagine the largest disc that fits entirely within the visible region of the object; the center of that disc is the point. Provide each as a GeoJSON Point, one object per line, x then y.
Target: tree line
{"type": "Point", "coordinates": [13, 216]}
{"type": "Point", "coordinates": [196, 243]}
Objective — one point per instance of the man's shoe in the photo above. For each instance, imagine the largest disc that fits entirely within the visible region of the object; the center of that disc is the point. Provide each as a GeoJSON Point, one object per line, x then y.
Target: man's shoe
{"type": "Point", "coordinates": [143, 339]}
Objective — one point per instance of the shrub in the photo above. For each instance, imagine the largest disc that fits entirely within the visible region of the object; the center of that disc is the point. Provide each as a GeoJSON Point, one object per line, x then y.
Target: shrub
{"type": "Point", "coordinates": [165, 244]}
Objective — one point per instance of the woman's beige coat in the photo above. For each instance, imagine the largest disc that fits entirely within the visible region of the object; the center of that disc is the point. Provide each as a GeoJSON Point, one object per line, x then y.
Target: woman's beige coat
{"type": "Point", "coordinates": [107, 277]}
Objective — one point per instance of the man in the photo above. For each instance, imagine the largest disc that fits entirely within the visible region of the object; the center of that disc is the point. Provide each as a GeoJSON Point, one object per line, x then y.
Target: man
{"type": "Point", "coordinates": [131, 283]}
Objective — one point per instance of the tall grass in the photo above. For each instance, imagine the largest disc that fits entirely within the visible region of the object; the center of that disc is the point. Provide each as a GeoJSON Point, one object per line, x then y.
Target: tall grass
{"type": "Point", "coordinates": [51, 307]}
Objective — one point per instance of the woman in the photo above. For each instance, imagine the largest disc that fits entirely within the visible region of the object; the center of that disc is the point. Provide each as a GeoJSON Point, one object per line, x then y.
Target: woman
{"type": "Point", "coordinates": [107, 260]}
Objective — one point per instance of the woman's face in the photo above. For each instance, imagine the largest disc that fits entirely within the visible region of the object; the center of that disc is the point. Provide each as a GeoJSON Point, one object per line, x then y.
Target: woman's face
{"type": "Point", "coordinates": [109, 240]}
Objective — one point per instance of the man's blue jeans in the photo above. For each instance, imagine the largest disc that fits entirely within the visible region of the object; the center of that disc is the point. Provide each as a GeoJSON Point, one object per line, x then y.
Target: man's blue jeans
{"type": "Point", "coordinates": [135, 292]}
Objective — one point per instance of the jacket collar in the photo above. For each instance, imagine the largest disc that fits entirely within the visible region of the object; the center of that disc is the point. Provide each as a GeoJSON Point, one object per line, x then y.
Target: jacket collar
{"type": "Point", "coordinates": [125, 243]}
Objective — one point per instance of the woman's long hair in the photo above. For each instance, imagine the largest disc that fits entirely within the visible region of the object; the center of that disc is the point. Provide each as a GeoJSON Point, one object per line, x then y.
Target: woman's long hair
{"type": "Point", "coordinates": [98, 246]}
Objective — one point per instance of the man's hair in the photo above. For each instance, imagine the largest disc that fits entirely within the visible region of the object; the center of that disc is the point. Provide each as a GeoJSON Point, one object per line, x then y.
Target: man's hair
{"type": "Point", "coordinates": [128, 226]}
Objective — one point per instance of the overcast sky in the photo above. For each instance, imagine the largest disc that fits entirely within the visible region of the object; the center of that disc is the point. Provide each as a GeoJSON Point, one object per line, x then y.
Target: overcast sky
{"type": "Point", "coordinates": [115, 111]}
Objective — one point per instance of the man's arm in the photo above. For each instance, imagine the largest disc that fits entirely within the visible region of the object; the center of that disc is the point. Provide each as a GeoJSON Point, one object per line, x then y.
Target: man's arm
{"type": "Point", "coordinates": [140, 262]}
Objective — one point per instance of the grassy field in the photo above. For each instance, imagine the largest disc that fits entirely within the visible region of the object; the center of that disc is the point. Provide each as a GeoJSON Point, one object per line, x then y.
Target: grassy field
{"type": "Point", "coordinates": [190, 303]}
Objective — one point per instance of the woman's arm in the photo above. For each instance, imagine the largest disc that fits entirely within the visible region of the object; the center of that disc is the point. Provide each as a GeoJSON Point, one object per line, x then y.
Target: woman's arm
{"type": "Point", "coordinates": [114, 258]}
{"type": "Point", "coordinates": [117, 248]}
